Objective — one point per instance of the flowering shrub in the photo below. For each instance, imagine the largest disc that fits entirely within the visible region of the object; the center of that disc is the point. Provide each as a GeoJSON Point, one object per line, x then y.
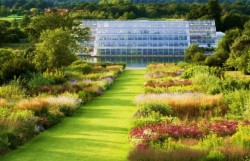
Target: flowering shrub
{"type": "Point", "coordinates": [161, 74]}
{"type": "Point", "coordinates": [160, 132]}
{"type": "Point", "coordinates": [61, 92]}
{"type": "Point", "coordinates": [224, 128]}
{"type": "Point", "coordinates": [174, 97]}
{"type": "Point", "coordinates": [42, 121]}
{"type": "Point", "coordinates": [65, 104]}
{"type": "Point", "coordinates": [173, 89]}
{"type": "Point", "coordinates": [168, 83]}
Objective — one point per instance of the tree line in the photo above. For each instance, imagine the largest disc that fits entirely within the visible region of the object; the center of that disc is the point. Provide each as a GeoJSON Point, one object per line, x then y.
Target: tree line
{"type": "Point", "coordinates": [53, 40]}
{"type": "Point", "coordinates": [227, 15]}
{"type": "Point", "coordinates": [36, 28]}
{"type": "Point", "coordinates": [232, 52]}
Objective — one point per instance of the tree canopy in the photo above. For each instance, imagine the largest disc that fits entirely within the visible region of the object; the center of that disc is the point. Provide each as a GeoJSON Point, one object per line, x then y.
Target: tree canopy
{"type": "Point", "coordinates": [56, 48]}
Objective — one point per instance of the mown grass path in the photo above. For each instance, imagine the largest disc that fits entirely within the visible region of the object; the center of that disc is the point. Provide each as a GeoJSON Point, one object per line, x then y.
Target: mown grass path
{"type": "Point", "coordinates": [97, 132]}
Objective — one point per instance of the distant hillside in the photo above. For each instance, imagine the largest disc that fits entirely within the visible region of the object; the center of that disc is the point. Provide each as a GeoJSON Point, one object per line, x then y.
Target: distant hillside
{"type": "Point", "coordinates": [178, 1]}
{"type": "Point", "coordinates": [10, 3]}
{"type": "Point", "coordinates": [149, 1]}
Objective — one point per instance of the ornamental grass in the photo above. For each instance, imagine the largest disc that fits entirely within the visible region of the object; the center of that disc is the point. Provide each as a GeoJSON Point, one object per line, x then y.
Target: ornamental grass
{"type": "Point", "coordinates": [185, 105]}
{"type": "Point", "coordinates": [3, 102]}
{"type": "Point", "coordinates": [66, 104]}
{"type": "Point", "coordinates": [114, 67]}
{"type": "Point", "coordinates": [39, 106]}
{"type": "Point", "coordinates": [150, 154]}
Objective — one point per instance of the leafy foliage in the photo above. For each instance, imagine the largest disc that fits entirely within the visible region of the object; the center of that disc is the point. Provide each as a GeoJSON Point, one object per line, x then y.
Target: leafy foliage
{"type": "Point", "coordinates": [55, 49]}
{"type": "Point", "coordinates": [15, 68]}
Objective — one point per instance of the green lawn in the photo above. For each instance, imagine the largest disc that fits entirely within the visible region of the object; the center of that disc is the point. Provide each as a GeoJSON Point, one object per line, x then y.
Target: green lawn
{"type": "Point", "coordinates": [11, 18]}
{"type": "Point", "coordinates": [97, 132]}
{"type": "Point", "coordinates": [15, 47]}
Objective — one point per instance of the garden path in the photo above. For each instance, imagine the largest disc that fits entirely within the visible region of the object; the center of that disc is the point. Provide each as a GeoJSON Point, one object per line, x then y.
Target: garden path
{"type": "Point", "coordinates": [97, 132]}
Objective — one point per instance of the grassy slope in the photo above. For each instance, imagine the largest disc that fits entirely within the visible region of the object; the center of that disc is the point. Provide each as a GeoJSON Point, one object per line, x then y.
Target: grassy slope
{"type": "Point", "coordinates": [98, 132]}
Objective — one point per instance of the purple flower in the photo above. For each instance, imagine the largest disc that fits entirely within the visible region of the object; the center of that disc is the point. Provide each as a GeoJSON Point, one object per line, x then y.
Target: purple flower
{"type": "Point", "coordinates": [100, 92]}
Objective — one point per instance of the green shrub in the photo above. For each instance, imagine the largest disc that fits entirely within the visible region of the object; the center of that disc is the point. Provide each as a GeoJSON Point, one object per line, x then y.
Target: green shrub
{"type": "Point", "coordinates": [237, 102]}
{"type": "Point", "coordinates": [39, 80]}
{"type": "Point", "coordinates": [84, 68]}
{"type": "Point", "coordinates": [54, 116]}
{"type": "Point", "coordinates": [12, 90]}
{"type": "Point", "coordinates": [9, 131]}
{"type": "Point", "coordinates": [194, 70]}
{"type": "Point", "coordinates": [151, 119]}
{"type": "Point", "coordinates": [182, 64]}
{"type": "Point", "coordinates": [81, 66]}
{"type": "Point", "coordinates": [198, 69]}
{"type": "Point", "coordinates": [94, 76]}
{"type": "Point", "coordinates": [210, 142]}
{"type": "Point", "coordinates": [246, 114]}
{"type": "Point", "coordinates": [231, 84]}
{"type": "Point", "coordinates": [155, 89]}
{"type": "Point", "coordinates": [13, 140]}
{"type": "Point", "coordinates": [78, 62]}
{"type": "Point", "coordinates": [85, 96]}
{"type": "Point", "coordinates": [241, 137]}
{"type": "Point", "coordinates": [22, 115]}
{"type": "Point", "coordinates": [173, 89]}
{"type": "Point", "coordinates": [184, 89]}
{"type": "Point", "coordinates": [66, 110]}
{"type": "Point", "coordinates": [169, 144]}
{"type": "Point", "coordinates": [4, 112]}
{"type": "Point", "coordinates": [209, 83]}
{"type": "Point", "coordinates": [3, 144]}
{"type": "Point", "coordinates": [147, 109]}
{"type": "Point", "coordinates": [109, 64]}
{"type": "Point", "coordinates": [16, 67]}
{"type": "Point", "coordinates": [58, 76]}
{"type": "Point", "coordinates": [5, 55]}
{"type": "Point", "coordinates": [215, 156]}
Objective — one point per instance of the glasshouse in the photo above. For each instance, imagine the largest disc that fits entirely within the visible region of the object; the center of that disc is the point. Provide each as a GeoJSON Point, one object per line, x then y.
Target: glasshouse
{"type": "Point", "coordinates": [146, 39]}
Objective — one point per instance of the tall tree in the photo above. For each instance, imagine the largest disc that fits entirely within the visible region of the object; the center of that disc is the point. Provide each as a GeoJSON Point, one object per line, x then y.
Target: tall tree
{"type": "Point", "coordinates": [214, 10]}
{"type": "Point", "coordinates": [239, 51]}
{"type": "Point", "coordinates": [49, 22]}
{"type": "Point", "coordinates": [223, 50]}
{"type": "Point", "coordinates": [194, 54]}
{"type": "Point", "coordinates": [25, 21]}
{"type": "Point", "coordinates": [15, 23]}
{"type": "Point", "coordinates": [56, 48]}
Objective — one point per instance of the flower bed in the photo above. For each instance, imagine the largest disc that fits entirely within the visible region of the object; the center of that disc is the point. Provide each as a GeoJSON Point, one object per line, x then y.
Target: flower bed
{"type": "Point", "coordinates": [185, 130]}
{"type": "Point", "coordinates": [28, 109]}
{"type": "Point", "coordinates": [194, 110]}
